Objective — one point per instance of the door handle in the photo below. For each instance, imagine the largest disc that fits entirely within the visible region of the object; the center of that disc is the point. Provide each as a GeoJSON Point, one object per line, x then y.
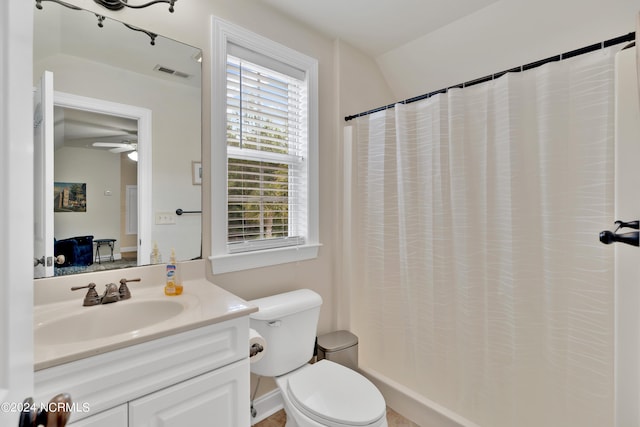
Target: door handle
{"type": "Point", "coordinates": [631, 224]}
{"type": "Point", "coordinates": [631, 238]}
{"type": "Point", "coordinates": [28, 414]}
{"type": "Point", "coordinates": [607, 237]}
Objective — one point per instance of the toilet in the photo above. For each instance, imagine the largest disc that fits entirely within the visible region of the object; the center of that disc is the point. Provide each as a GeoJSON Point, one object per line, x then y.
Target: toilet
{"type": "Point", "coordinates": [315, 395]}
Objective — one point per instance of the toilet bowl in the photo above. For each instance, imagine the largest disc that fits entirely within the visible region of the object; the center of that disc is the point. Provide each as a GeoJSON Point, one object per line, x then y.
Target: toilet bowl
{"type": "Point", "coordinates": [314, 395]}
{"type": "Point", "coordinates": [331, 395]}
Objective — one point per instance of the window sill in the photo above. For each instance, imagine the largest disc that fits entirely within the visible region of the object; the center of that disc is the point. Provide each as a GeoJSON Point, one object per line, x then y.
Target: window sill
{"type": "Point", "coordinates": [228, 263]}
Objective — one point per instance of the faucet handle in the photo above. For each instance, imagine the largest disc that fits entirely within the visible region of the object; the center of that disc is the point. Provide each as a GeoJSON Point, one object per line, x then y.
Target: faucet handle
{"type": "Point", "coordinates": [124, 289]}
{"type": "Point", "coordinates": [92, 297]}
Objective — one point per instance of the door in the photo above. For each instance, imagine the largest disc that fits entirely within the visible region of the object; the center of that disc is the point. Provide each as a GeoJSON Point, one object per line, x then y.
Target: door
{"type": "Point", "coordinates": [43, 176]}
{"type": "Point", "coordinates": [218, 398]}
{"type": "Point", "coordinates": [627, 267]}
{"type": "Point", "coordinates": [144, 118]}
{"type": "Point", "coordinates": [16, 209]}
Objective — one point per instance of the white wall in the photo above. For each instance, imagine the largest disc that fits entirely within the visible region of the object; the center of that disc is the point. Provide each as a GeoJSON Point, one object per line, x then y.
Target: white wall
{"type": "Point", "coordinates": [359, 81]}
{"type": "Point", "coordinates": [504, 35]}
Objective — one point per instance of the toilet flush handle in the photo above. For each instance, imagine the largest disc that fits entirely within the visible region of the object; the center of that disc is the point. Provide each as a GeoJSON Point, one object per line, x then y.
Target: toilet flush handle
{"type": "Point", "coordinates": [274, 323]}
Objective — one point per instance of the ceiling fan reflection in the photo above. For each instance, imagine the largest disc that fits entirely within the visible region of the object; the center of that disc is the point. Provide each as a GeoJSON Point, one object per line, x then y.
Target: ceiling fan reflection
{"type": "Point", "coordinates": [117, 147]}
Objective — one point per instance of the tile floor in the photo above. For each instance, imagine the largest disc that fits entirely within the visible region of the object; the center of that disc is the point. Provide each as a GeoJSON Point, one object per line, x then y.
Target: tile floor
{"type": "Point", "coordinates": [393, 418]}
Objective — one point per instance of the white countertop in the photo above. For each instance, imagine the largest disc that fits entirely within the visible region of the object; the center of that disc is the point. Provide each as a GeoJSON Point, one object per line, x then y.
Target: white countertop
{"type": "Point", "coordinates": [204, 304]}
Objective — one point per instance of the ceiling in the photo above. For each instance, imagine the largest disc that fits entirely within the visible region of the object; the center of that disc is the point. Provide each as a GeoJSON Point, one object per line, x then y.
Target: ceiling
{"type": "Point", "coordinates": [377, 26]}
{"type": "Point", "coordinates": [79, 128]}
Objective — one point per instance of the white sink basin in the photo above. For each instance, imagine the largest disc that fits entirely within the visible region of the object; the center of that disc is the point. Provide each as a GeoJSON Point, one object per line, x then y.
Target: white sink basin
{"type": "Point", "coordinates": [65, 331]}
{"type": "Point", "coordinates": [103, 321]}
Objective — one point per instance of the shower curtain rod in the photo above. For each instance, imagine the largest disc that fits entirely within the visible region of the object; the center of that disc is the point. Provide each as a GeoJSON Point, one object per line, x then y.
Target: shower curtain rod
{"type": "Point", "coordinates": [607, 43]}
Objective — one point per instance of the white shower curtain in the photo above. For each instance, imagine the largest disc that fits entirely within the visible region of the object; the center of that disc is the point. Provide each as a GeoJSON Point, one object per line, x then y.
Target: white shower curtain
{"type": "Point", "coordinates": [478, 278]}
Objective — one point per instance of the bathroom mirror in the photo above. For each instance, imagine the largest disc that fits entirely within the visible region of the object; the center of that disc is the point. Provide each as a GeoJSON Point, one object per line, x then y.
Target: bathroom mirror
{"type": "Point", "coordinates": [96, 225]}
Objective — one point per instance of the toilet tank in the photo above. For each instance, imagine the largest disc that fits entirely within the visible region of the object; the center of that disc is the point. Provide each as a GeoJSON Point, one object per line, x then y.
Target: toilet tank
{"type": "Point", "coordinates": [288, 324]}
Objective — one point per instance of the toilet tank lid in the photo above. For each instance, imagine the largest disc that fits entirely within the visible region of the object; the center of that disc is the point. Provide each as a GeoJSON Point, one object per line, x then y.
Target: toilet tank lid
{"type": "Point", "coordinates": [281, 305]}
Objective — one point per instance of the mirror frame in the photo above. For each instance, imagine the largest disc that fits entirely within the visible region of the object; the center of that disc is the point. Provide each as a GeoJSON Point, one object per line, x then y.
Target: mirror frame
{"type": "Point", "coordinates": [147, 184]}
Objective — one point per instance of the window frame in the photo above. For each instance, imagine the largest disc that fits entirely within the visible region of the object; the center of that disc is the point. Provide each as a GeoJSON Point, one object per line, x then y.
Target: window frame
{"type": "Point", "coordinates": [222, 259]}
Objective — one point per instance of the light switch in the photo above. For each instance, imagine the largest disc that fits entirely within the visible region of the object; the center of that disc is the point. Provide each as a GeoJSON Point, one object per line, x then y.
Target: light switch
{"type": "Point", "coordinates": [165, 218]}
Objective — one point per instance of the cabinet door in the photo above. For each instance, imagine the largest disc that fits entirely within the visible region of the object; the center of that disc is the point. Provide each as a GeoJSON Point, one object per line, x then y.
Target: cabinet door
{"type": "Point", "coordinates": [115, 417]}
{"type": "Point", "coordinates": [219, 398]}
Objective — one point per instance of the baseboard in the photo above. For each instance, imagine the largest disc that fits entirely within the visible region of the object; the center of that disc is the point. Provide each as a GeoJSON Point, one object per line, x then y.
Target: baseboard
{"type": "Point", "coordinates": [413, 406]}
{"type": "Point", "coordinates": [267, 405]}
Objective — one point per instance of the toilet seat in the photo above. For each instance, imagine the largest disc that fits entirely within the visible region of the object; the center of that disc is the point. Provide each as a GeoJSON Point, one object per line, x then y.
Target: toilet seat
{"type": "Point", "coordinates": [335, 396]}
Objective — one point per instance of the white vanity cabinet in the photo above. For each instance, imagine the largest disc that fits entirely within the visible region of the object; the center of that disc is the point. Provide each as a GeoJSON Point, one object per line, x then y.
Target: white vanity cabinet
{"type": "Point", "coordinates": [196, 377]}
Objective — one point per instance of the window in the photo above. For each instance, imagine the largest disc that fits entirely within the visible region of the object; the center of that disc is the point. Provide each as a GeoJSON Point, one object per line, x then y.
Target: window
{"type": "Point", "coordinates": [264, 152]}
{"type": "Point", "coordinates": [266, 157]}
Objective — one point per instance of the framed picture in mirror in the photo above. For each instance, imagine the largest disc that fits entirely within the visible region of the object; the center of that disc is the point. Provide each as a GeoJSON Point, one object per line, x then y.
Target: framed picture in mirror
{"type": "Point", "coordinates": [69, 197]}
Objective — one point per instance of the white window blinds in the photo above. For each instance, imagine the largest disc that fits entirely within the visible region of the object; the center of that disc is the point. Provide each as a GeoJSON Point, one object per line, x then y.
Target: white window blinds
{"type": "Point", "coordinates": [266, 154]}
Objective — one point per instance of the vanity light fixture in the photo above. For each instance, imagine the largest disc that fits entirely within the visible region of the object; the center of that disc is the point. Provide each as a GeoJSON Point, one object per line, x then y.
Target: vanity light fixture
{"type": "Point", "coordinates": [151, 35]}
{"type": "Point", "coordinates": [133, 156]}
{"type": "Point", "coordinates": [119, 4]}
{"type": "Point", "coordinates": [112, 4]}
{"type": "Point", "coordinates": [70, 6]}
{"type": "Point", "coordinates": [101, 18]}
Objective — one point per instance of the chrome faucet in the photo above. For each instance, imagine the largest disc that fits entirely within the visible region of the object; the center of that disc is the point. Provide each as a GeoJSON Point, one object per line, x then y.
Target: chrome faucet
{"type": "Point", "coordinates": [111, 293]}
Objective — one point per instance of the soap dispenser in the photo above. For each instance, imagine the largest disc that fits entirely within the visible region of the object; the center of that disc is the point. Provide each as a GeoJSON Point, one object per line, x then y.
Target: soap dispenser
{"type": "Point", "coordinates": [156, 256]}
{"type": "Point", "coordinates": [170, 287]}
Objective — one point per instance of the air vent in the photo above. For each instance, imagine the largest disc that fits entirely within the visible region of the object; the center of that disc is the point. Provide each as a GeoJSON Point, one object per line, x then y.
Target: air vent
{"type": "Point", "coordinates": [171, 71]}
